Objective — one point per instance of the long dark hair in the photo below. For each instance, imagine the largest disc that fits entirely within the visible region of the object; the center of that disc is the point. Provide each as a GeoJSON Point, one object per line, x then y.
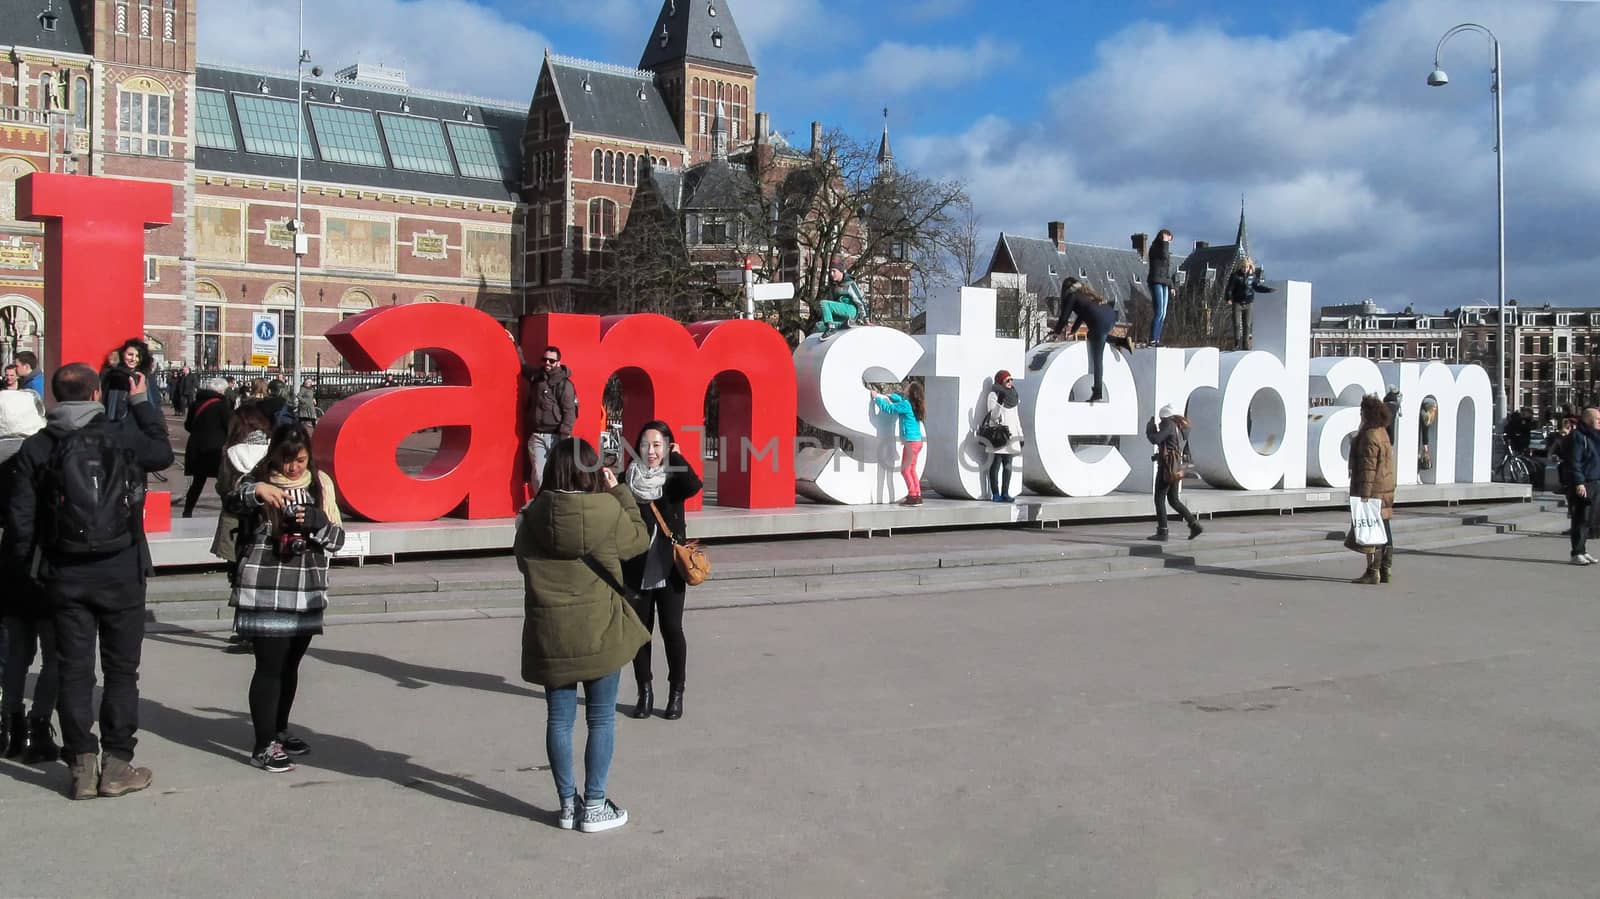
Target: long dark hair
{"type": "Point", "coordinates": [1073, 285]}
{"type": "Point", "coordinates": [573, 467]}
{"type": "Point", "coordinates": [144, 354]}
{"type": "Point", "coordinates": [287, 442]}
{"type": "Point", "coordinates": [1374, 413]}
{"type": "Point", "coordinates": [914, 397]}
{"type": "Point", "coordinates": [246, 421]}
{"type": "Point", "coordinates": [657, 425]}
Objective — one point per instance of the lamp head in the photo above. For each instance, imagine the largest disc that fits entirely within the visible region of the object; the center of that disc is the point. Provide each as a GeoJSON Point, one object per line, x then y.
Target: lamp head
{"type": "Point", "coordinates": [316, 71]}
{"type": "Point", "coordinates": [1437, 78]}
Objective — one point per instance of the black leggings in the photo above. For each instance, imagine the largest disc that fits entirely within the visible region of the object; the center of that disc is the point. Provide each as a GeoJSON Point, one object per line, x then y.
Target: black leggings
{"type": "Point", "coordinates": [1097, 358]}
{"type": "Point", "coordinates": [668, 603]}
{"type": "Point", "coordinates": [196, 487]}
{"type": "Point", "coordinates": [273, 686]}
{"type": "Point", "coordinates": [999, 474]}
{"type": "Point", "coordinates": [1167, 494]}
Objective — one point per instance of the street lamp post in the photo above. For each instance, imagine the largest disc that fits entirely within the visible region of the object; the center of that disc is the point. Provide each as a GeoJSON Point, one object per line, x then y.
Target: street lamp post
{"type": "Point", "coordinates": [1438, 78]}
{"type": "Point", "coordinates": [297, 225]}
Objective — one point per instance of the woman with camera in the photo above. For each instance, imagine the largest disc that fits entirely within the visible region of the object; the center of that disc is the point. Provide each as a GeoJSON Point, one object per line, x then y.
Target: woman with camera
{"type": "Point", "coordinates": [288, 510]}
{"type": "Point", "coordinates": [580, 626]}
{"type": "Point", "coordinates": [660, 480]}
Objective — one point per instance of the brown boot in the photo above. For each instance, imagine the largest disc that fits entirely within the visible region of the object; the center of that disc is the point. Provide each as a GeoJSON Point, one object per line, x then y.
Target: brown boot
{"type": "Point", "coordinates": [1386, 565]}
{"type": "Point", "coordinates": [1371, 576]}
{"type": "Point", "coordinates": [85, 776]}
{"type": "Point", "coordinates": [119, 778]}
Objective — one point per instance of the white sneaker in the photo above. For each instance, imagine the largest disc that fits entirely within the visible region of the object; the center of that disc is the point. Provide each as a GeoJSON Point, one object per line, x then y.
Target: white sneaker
{"type": "Point", "coordinates": [1582, 559]}
{"type": "Point", "coordinates": [605, 816]}
{"type": "Point", "coordinates": [569, 812]}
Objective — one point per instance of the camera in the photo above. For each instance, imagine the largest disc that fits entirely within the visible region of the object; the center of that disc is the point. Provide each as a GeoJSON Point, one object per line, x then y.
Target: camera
{"type": "Point", "coordinates": [291, 539]}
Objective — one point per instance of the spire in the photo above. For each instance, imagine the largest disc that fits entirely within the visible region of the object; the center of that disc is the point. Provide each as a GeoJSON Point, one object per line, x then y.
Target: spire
{"type": "Point", "coordinates": [1242, 239]}
{"type": "Point", "coordinates": [885, 152]}
{"type": "Point", "coordinates": [719, 134]}
{"type": "Point", "coordinates": [701, 30]}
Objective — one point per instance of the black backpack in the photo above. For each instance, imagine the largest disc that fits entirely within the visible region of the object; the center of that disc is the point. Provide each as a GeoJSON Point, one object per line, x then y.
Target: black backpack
{"type": "Point", "coordinates": [93, 492]}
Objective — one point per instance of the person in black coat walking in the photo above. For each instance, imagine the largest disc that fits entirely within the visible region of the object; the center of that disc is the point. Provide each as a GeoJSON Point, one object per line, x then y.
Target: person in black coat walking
{"type": "Point", "coordinates": [1169, 432]}
{"type": "Point", "coordinates": [207, 424]}
{"type": "Point", "coordinates": [1243, 286]}
{"type": "Point", "coordinates": [29, 627]}
{"type": "Point", "coordinates": [661, 480]}
{"type": "Point", "coordinates": [1159, 278]}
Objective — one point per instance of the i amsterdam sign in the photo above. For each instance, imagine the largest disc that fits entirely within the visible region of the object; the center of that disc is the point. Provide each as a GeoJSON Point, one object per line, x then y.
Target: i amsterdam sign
{"type": "Point", "coordinates": [1254, 426]}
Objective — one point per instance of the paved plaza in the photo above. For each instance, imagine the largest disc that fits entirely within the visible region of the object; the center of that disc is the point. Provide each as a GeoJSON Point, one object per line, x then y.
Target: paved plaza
{"type": "Point", "coordinates": [1264, 732]}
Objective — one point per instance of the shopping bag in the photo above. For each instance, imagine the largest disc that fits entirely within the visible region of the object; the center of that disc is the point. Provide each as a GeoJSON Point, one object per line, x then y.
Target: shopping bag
{"type": "Point", "coordinates": [1366, 521]}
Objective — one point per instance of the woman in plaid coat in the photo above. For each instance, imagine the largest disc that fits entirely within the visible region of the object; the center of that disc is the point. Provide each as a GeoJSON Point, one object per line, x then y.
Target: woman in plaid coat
{"type": "Point", "coordinates": [290, 527]}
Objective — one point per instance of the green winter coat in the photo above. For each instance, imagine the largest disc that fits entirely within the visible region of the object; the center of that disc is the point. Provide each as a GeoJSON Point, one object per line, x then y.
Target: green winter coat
{"type": "Point", "coordinates": [577, 628]}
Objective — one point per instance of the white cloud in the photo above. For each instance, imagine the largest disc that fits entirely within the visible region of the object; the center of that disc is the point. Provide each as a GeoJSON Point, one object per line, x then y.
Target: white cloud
{"type": "Point", "coordinates": [450, 45]}
{"type": "Point", "coordinates": [894, 69]}
{"type": "Point", "coordinates": [1359, 177]}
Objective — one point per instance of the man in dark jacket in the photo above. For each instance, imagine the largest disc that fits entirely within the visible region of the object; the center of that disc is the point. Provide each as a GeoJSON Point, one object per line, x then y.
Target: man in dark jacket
{"type": "Point", "coordinates": [1242, 289]}
{"type": "Point", "coordinates": [1160, 280]}
{"type": "Point", "coordinates": [551, 412]}
{"type": "Point", "coordinates": [1580, 473]}
{"type": "Point", "coordinates": [92, 594]}
{"type": "Point", "coordinates": [207, 424]}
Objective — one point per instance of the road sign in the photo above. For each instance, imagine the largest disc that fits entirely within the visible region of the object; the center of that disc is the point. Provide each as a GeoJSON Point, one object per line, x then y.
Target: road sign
{"type": "Point", "coordinates": [731, 276]}
{"type": "Point", "coordinates": [781, 291]}
{"type": "Point", "coordinates": [261, 360]}
{"type": "Point", "coordinates": [264, 338]}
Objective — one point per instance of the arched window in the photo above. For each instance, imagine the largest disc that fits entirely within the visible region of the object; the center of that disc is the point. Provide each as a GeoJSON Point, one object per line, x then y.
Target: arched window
{"type": "Point", "coordinates": [633, 170]}
{"type": "Point", "coordinates": [47, 90]}
{"type": "Point", "coordinates": [144, 117]}
{"type": "Point", "coordinates": [599, 165]}
{"type": "Point", "coordinates": [602, 222]}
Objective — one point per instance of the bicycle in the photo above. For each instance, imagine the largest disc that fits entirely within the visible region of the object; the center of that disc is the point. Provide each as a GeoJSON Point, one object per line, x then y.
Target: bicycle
{"type": "Point", "coordinates": [1514, 467]}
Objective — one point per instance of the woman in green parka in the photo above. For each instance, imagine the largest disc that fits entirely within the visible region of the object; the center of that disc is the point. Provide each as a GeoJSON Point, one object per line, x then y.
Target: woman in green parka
{"type": "Point", "coordinates": [579, 628]}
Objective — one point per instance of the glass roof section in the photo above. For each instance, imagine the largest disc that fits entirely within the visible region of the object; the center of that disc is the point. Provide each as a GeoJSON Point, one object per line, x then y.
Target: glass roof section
{"type": "Point", "coordinates": [478, 150]}
{"type": "Point", "coordinates": [347, 135]}
{"type": "Point", "coordinates": [269, 126]}
{"type": "Point", "coordinates": [215, 125]}
{"type": "Point", "coordinates": [417, 145]}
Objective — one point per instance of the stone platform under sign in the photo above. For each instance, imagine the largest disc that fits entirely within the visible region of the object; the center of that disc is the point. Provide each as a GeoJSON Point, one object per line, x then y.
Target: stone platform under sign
{"type": "Point", "coordinates": [189, 543]}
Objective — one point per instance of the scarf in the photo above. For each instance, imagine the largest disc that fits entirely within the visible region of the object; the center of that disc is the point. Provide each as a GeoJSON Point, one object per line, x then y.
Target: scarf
{"type": "Point", "coordinates": [645, 482]}
{"type": "Point", "coordinates": [299, 490]}
{"type": "Point", "coordinates": [1006, 395]}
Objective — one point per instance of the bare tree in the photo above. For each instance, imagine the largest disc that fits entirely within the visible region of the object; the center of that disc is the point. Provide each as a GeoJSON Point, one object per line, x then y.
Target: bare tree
{"type": "Point", "coordinates": [647, 269]}
{"type": "Point", "coordinates": [965, 251]}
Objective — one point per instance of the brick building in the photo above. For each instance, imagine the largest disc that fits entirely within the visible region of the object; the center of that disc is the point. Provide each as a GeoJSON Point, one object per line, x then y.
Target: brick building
{"type": "Point", "coordinates": [409, 195]}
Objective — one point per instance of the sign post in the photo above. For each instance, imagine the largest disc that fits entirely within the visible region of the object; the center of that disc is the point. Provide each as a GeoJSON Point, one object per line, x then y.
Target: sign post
{"type": "Point", "coordinates": [264, 340]}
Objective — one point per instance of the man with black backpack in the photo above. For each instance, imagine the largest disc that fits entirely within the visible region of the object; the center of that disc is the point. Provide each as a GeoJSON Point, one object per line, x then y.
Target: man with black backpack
{"type": "Point", "coordinates": [77, 510]}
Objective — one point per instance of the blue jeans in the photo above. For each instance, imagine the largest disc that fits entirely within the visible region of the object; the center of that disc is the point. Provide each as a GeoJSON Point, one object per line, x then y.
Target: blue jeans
{"type": "Point", "coordinates": [539, 447]}
{"type": "Point", "coordinates": [1160, 294]}
{"type": "Point", "coordinates": [600, 712]}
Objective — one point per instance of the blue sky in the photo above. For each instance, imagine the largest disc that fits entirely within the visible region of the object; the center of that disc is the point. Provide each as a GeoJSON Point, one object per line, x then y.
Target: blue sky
{"type": "Point", "coordinates": [1120, 117]}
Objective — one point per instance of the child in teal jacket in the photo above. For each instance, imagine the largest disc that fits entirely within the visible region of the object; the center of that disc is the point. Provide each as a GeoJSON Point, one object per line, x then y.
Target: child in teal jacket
{"type": "Point", "coordinates": [911, 412]}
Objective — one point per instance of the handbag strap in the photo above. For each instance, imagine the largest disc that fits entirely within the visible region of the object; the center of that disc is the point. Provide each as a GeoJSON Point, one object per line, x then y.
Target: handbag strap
{"type": "Point", "coordinates": [663, 522]}
{"type": "Point", "coordinates": [613, 583]}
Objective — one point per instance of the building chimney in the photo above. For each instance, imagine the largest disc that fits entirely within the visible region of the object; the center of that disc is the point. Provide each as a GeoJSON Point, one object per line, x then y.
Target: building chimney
{"type": "Point", "coordinates": [1058, 235]}
{"type": "Point", "coordinates": [763, 147]}
{"type": "Point", "coordinates": [1141, 243]}
{"type": "Point", "coordinates": [1200, 245]}
{"type": "Point", "coordinates": [816, 139]}
{"type": "Point", "coordinates": [763, 127]}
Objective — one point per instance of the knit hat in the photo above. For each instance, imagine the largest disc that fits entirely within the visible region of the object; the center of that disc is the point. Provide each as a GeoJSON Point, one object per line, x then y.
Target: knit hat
{"type": "Point", "coordinates": [1002, 376]}
{"type": "Point", "coordinates": [1166, 411]}
{"type": "Point", "coordinates": [836, 263]}
{"type": "Point", "coordinates": [21, 413]}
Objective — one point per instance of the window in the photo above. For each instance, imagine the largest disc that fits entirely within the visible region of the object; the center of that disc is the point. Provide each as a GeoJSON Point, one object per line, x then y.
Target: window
{"type": "Point", "coordinates": [417, 145]}
{"type": "Point", "coordinates": [1561, 346]}
{"type": "Point", "coordinates": [152, 270]}
{"type": "Point", "coordinates": [122, 18]}
{"type": "Point", "coordinates": [208, 336]}
{"type": "Point", "coordinates": [144, 21]}
{"type": "Point", "coordinates": [144, 123]}
{"type": "Point", "coordinates": [285, 337]}
{"type": "Point", "coordinates": [602, 222]}
{"type": "Point", "coordinates": [269, 126]}
{"type": "Point", "coordinates": [1383, 351]}
{"type": "Point", "coordinates": [168, 29]}
{"type": "Point", "coordinates": [80, 104]}
{"type": "Point", "coordinates": [481, 154]}
{"type": "Point", "coordinates": [1399, 351]}
{"type": "Point", "coordinates": [347, 135]}
{"type": "Point", "coordinates": [633, 170]}
{"type": "Point", "coordinates": [214, 126]}
{"type": "Point", "coordinates": [611, 168]}
{"type": "Point", "coordinates": [599, 166]}
{"type": "Point", "coordinates": [714, 232]}
{"type": "Point", "coordinates": [1372, 351]}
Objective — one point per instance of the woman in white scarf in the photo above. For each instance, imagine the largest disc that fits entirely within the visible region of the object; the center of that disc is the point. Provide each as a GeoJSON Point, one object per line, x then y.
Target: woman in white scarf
{"type": "Point", "coordinates": [661, 480]}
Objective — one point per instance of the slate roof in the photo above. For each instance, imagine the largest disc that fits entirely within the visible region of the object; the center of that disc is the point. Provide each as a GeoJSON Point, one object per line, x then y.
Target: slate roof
{"type": "Point", "coordinates": [1046, 267]}
{"type": "Point", "coordinates": [20, 24]}
{"type": "Point", "coordinates": [509, 121]}
{"type": "Point", "coordinates": [617, 102]}
{"type": "Point", "coordinates": [1219, 258]}
{"type": "Point", "coordinates": [689, 26]}
{"type": "Point", "coordinates": [716, 185]}
{"type": "Point", "coordinates": [669, 187]}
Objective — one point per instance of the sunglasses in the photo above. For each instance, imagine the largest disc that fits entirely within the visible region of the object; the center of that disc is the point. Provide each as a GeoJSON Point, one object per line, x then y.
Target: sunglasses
{"type": "Point", "coordinates": [549, 361]}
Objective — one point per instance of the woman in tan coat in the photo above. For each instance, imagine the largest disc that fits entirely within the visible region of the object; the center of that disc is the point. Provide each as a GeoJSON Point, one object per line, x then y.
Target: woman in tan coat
{"type": "Point", "coordinates": [1372, 475]}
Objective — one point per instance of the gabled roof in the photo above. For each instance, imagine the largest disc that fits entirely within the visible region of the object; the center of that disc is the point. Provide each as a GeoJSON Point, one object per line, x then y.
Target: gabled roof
{"type": "Point", "coordinates": [692, 29]}
{"type": "Point", "coordinates": [612, 101]}
{"type": "Point", "coordinates": [1117, 275]}
{"type": "Point", "coordinates": [21, 24]}
{"type": "Point", "coordinates": [668, 186]}
{"type": "Point", "coordinates": [716, 185]}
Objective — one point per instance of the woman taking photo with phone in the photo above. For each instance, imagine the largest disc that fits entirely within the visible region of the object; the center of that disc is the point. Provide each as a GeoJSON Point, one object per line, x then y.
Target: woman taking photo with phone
{"type": "Point", "coordinates": [579, 625]}
{"type": "Point", "coordinates": [288, 510]}
{"type": "Point", "coordinates": [660, 480]}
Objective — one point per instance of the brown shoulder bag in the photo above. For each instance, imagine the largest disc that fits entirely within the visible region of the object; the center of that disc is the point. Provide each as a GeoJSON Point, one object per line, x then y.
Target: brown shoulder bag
{"type": "Point", "coordinates": [688, 556]}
